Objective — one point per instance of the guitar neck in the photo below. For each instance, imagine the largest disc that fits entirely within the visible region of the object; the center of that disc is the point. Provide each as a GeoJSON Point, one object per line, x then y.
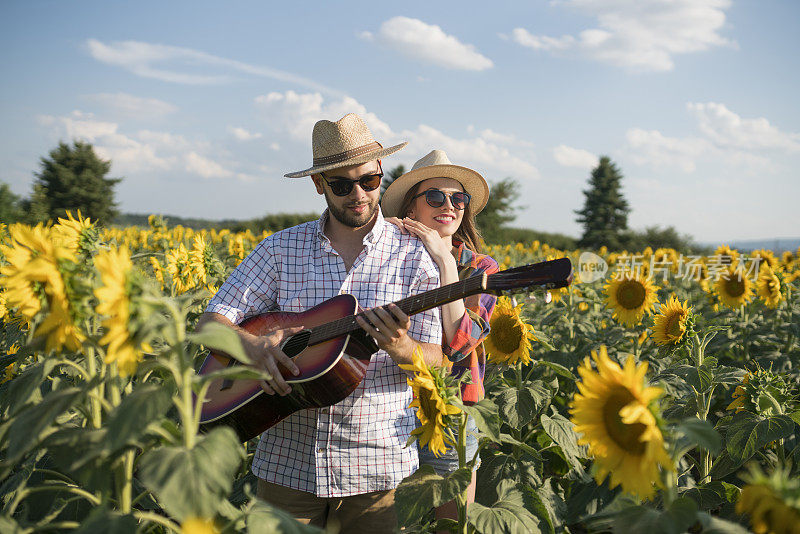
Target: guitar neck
{"type": "Point", "coordinates": [410, 306]}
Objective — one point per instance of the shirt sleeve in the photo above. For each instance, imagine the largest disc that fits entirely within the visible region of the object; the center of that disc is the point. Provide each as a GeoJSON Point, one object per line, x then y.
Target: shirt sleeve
{"type": "Point", "coordinates": [251, 288]}
{"type": "Point", "coordinates": [426, 327]}
{"type": "Point", "coordinates": [474, 325]}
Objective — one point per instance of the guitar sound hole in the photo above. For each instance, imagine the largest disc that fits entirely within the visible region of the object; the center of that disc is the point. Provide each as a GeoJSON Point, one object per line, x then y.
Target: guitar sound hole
{"type": "Point", "coordinates": [296, 344]}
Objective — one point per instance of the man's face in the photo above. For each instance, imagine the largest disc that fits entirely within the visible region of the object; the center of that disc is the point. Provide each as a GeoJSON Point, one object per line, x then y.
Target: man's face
{"type": "Point", "coordinates": [358, 207]}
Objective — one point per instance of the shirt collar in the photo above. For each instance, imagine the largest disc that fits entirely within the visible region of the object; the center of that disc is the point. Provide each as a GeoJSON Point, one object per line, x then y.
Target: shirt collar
{"type": "Point", "coordinates": [370, 239]}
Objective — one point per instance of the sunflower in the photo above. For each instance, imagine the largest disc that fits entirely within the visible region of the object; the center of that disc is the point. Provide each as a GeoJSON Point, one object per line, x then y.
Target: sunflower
{"type": "Point", "coordinates": [33, 279]}
{"type": "Point", "coordinates": [771, 501]}
{"type": "Point", "coordinates": [115, 268]}
{"type": "Point", "coordinates": [431, 398]}
{"type": "Point", "coordinates": [199, 525]}
{"type": "Point", "coordinates": [768, 287]}
{"type": "Point", "coordinates": [614, 410]}
{"type": "Point", "coordinates": [763, 393]}
{"type": "Point", "coordinates": [726, 255]}
{"type": "Point", "coordinates": [765, 258]}
{"type": "Point", "coordinates": [178, 266]}
{"type": "Point", "coordinates": [669, 326]}
{"type": "Point", "coordinates": [509, 339]}
{"type": "Point", "coordinates": [158, 270]}
{"type": "Point", "coordinates": [733, 288]}
{"type": "Point", "coordinates": [630, 297]}
{"type": "Point", "coordinates": [77, 235]}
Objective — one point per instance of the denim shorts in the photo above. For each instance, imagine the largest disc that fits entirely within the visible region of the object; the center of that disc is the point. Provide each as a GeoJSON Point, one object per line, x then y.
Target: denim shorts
{"type": "Point", "coordinates": [448, 462]}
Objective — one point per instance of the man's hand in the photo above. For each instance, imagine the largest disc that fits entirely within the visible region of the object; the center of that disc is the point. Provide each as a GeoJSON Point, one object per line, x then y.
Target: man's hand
{"type": "Point", "coordinates": [389, 326]}
{"type": "Point", "coordinates": [264, 351]}
{"type": "Point", "coordinates": [266, 355]}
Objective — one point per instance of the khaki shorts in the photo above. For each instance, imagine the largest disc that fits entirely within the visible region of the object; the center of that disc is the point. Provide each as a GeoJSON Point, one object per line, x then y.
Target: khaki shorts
{"type": "Point", "coordinates": [369, 512]}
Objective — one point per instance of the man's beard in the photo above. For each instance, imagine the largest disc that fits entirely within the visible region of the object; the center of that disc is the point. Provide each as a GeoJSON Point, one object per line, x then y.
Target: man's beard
{"type": "Point", "coordinates": [347, 218]}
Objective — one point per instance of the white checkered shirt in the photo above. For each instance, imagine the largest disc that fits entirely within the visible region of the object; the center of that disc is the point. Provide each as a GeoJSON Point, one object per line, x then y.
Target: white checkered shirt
{"type": "Point", "coordinates": [358, 445]}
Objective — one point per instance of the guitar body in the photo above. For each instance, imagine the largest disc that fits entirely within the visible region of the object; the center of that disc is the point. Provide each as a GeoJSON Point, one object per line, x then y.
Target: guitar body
{"type": "Point", "coordinates": [329, 372]}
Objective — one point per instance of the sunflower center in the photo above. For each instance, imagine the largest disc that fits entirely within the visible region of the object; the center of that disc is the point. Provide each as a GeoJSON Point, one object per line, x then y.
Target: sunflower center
{"type": "Point", "coordinates": [734, 286]}
{"type": "Point", "coordinates": [427, 402]}
{"type": "Point", "coordinates": [631, 295]}
{"type": "Point", "coordinates": [506, 334]}
{"type": "Point", "coordinates": [674, 325]}
{"type": "Point", "coordinates": [624, 435]}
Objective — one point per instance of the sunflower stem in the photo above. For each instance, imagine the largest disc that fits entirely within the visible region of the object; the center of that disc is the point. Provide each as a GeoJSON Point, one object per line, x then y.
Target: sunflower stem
{"type": "Point", "coordinates": [461, 499]}
{"type": "Point", "coordinates": [94, 402]}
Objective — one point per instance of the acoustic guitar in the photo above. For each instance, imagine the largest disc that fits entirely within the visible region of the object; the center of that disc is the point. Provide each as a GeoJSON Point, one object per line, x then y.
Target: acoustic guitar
{"type": "Point", "coordinates": [333, 352]}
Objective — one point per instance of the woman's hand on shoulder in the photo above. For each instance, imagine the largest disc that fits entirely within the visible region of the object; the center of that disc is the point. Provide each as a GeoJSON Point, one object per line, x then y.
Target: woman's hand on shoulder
{"type": "Point", "coordinates": [436, 246]}
{"type": "Point", "coordinates": [398, 223]}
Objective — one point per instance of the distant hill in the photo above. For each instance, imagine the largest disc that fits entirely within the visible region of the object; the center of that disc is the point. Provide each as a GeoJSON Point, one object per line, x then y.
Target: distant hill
{"type": "Point", "coordinates": [136, 219]}
{"type": "Point", "coordinates": [778, 245]}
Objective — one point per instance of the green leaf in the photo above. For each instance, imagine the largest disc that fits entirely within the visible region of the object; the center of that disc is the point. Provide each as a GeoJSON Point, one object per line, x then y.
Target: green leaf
{"type": "Point", "coordinates": [24, 389]}
{"type": "Point", "coordinates": [511, 440]}
{"type": "Point", "coordinates": [561, 431]}
{"type": "Point", "coordinates": [507, 514]}
{"type": "Point", "coordinates": [701, 379]}
{"type": "Point", "coordinates": [676, 520]}
{"type": "Point", "coordinates": [130, 419]}
{"type": "Point", "coordinates": [486, 417]}
{"type": "Point", "coordinates": [713, 494]}
{"type": "Point", "coordinates": [716, 525]}
{"type": "Point", "coordinates": [424, 489]}
{"type": "Point", "coordinates": [520, 407]}
{"type": "Point", "coordinates": [539, 507]}
{"type": "Point", "coordinates": [236, 372]}
{"type": "Point", "coordinates": [265, 519]}
{"type": "Point", "coordinates": [218, 337]}
{"type": "Point", "coordinates": [795, 415]}
{"type": "Point", "coordinates": [729, 375]}
{"type": "Point", "coordinates": [30, 425]}
{"type": "Point", "coordinates": [497, 467]}
{"type": "Point", "coordinates": [192, 482]}
{"type": "Point", "coordinates": [105, 521]}
{"type": "Point", "coordinates": [9, 526]}
{"type": "Point", "coordinates": [701, 433]}
{"type": "Point", "coordinates": [557, 368]}
{"type": "Point", "coordinates": [748, 433]}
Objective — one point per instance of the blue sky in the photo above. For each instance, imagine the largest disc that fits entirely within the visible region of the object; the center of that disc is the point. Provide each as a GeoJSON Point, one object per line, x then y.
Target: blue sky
{"type": "Point", "coordinates": [203, 106]}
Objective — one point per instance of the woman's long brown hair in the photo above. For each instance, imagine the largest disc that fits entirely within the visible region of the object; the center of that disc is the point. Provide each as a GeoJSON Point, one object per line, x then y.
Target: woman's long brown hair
{"type": "Point", "coordinates": [467, 232]}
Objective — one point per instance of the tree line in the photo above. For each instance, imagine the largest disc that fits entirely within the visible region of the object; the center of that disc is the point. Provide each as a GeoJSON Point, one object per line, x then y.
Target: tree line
{"type": "Point", "coordinates": [75, 178]}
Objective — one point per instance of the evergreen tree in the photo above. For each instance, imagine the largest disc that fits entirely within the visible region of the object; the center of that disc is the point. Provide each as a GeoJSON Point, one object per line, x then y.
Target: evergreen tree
{"type": "Point", "coordinates": [9, 205]}
{"type": "Point", "coordinates": [391, 176]}
{"type": "Point", "coordinates": [73, 178]}
{"type": "Point", "coordinates": [499, 210]}
{"type": "Point", "coordinates": [605, 212]}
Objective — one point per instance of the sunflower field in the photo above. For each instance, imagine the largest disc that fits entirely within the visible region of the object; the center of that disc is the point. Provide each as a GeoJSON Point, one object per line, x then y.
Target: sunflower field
{"type": "Point", "coordinates": [660, 397]}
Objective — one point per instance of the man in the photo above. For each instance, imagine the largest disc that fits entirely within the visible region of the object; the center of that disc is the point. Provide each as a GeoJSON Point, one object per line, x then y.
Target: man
{"type": "Point", "coordinates": [343, 461]}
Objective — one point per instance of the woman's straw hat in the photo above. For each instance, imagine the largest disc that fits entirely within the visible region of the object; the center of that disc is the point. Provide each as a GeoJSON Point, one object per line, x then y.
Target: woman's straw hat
{"type": "Point", "coordinates": [345, 142]}
{"type": "Point", "coordinates": [435, 165]}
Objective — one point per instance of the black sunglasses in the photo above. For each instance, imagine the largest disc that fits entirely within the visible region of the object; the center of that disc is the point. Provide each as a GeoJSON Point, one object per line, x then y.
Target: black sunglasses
{"type": "Point", "coordinates": [342, 187]}
{"type": "Point", "coordinates": [436, 198]}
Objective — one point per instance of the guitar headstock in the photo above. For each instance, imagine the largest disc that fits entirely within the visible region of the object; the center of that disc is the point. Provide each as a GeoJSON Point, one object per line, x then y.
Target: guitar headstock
{"type": "Point", "coordinates": [550, 274]}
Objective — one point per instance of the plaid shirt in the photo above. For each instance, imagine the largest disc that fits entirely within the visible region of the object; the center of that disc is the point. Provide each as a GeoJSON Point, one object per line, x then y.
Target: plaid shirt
{"type": "Point", "coordinates": [358, 445]}
{"type": "Point", "coordinates": [465, 350]}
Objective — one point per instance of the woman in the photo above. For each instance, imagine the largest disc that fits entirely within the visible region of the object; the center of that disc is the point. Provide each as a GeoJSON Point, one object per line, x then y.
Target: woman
{"type": "Point", "coordinates": [438, 202]}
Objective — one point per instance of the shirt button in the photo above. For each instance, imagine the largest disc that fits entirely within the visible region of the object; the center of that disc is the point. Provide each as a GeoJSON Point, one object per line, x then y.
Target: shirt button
{"type": "Point", "coordinates": [320, 450]}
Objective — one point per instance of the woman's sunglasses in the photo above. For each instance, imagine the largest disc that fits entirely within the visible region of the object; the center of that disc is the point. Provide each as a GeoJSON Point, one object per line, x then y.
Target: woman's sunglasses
{"type": "Point", "coordinates": [436, 198]}
{"type": "Point", "coordinates": [343, 187]}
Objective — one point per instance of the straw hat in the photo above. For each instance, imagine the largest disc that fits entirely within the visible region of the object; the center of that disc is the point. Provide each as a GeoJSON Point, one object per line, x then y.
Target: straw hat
{"type": "Point", "coordinates": [345, 142]}
{"type": "Point", "coordinates": [435, 165]}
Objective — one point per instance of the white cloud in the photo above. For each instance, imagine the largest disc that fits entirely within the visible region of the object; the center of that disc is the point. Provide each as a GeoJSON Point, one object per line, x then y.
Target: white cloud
{"type": "Point", "coordinates": [574, 157]}
{"type": "Point", "coordinates": [724, 136]}
{"type": "Point", "coordinates": [243, 135]}
{"type": "Point", "coordinates": [143, 151]}
{"type": "Point", "coordinates": [205, 167]}
{"type": "Point", "coordinates": [177, 64]}
{"type": "Point", "coordinates": [428, 43]}
{"type": "Point", "coordinates": [654, 148]}
{"type": "Point", "coordinates": [728, 130]}
{"type": "Point", "coordinates": [129, 105]}
{"type": "Point", "coordinates": [641, 34]}
{"type": "Point", "coordinates": [294, 116]}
